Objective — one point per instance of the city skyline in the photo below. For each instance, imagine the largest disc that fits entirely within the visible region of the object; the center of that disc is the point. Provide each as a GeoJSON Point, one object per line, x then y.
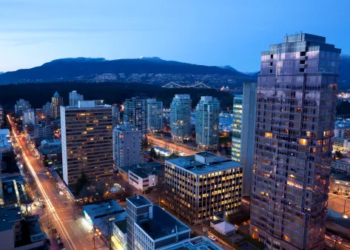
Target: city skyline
{"type": "Point", "coordinates": [35, 32]}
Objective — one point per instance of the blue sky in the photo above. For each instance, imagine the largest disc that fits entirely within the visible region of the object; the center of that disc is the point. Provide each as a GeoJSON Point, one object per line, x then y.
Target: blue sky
{"type": "Point", "coordinates": [208, 32]}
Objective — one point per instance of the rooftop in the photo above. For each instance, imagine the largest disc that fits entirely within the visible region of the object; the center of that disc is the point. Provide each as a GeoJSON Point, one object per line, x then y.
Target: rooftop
{"type": "Point", "coordinates": [162, 224]}
{"type": "Point", "coordinates": [343, 178]}
{"type": "Point", "coordinates": [103, 208]}
{"type": "Point", "coordinates": [138, 201]}
{"type": "Point", "coordinates": [144, 170]}
{"type": "Point", "coordinates": [344, 160]}
{"type": "Point", "coordinates": [8, 217]}
{"type": "Point", "coordinates": [121, 225]}
{"type": "Point", "coordinates": [197, 243]}
{"type": "Point", "coordinates": [205, 162]}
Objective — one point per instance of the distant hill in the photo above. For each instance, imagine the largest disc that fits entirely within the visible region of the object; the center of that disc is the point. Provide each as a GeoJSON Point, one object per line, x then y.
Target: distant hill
{"type": "Point", "coordinates": [145, 69]}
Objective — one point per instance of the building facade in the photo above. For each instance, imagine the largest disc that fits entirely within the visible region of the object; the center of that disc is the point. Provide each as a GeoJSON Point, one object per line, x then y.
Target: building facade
{"type": "Point", "coordinates": [2, 117]}
{"type": "Point", "coordinates": [244, 109]}
{"type": "Point", "coordinates": [29, 116]}
{"type": "Point", "coordinates": [74, 98]}
{"type": "Point", "coordinates": [47, 110]}
{"type": "Point", "coordinates": [207, 122]}
{"type": "Point", "coordinates": [21, 106]}
{"type": "Point", "coordinates": [86, 134]}
{"type": "Point", "coordinates": [135, 113]}
{"type": "Point", "coordinates": [115, 116]}
{"type": "Point", "coordinates": [126, 145]}
{"type": "Point", "coordinates": [56, 103]}
{"type": "Point", "coordinates": [296, 103]}
{"type": "Point", "coordinates": [154, 115]}
{"type": "Point", "coordinates": [180, 117]}
{"type": "Point", "coordinates": [199, 186]}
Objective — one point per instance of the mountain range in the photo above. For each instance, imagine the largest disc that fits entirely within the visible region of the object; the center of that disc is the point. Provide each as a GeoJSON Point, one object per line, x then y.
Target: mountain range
{"type": "Point", "coordinates": [151, 70]}
{"type": "Point", "coordinates": [143, 70]}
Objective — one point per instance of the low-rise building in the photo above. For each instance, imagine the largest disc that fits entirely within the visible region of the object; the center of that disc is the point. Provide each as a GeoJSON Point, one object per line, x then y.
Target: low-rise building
{"type": "Point", "coordinates": [51, 151]}
{"type": "Point", "coordinates": [197, 243]}
{"type": "Point", "coordinates": [151, 227]}
{"type": "Point", "coordinates": [5, 140]}
{"type": "Point", "coordinates": [103, 215]}
{"type": "Point", "coordinates": [342, 164]}
{"type": "Point", "coordinates": [143, 176]}
{"type": "Point", "coordinates": [18, 232]}
{"type": "Point", "coordinates": [342, 185]}
{"type": "Point", "coordinates": [201, 185]}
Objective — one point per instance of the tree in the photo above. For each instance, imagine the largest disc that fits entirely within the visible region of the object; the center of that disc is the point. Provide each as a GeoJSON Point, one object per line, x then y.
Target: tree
{"type": "Point", "coordinates": [81, 182]}
{"type": "Point", "coordinates": [153, 153]}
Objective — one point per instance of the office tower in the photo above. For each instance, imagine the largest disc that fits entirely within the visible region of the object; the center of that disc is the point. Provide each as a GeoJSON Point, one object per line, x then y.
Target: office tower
{"type": "Point", "coordinates": [86, 132]}
{"type": "Point", "coordinates": [296, 100]}
{"type": "Point", "coordinates": [29, 117]}
{"type": "Point", "coordinates": [207, 122]}
{"type": "Point", "coordinates": [47, 110]}
{"type": "Point", "coordinates": [135, 113]}
{"type": "Point", "coordinates": [180, 117]}
{"type": "Point", "coordinates": [2, 116]}
{"type": "Point", "coordinates": [126, 145]}
{"type": "Point", "coordinates": [154, 115]}
{"type": "Point", "coordinates": [57, 101]}
{"type": "Point", "coordinates": [115, 116]}
{"type": "Point", "coordinates": [151, 227]}
{"type": "Point", "coordinates": [201, 185]}
{"type": "Point", "coordinates": [74, 97]}
{"type": "Point", "coordinates": [42, 131]}
{"type": "Point", "coordinates": [243, 132]}
{"type": "Point", "coordinates": [20, 106]}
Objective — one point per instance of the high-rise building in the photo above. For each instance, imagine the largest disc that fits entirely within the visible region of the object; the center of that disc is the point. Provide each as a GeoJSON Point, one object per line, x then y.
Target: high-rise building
{"type": "Point", "coordinates": [21, 106]}
{"type": "Point", "coordinates": [126, 145]}
{"type": "Point", "coordinates": [57, 101]}
{"type": "Point", "coordinates": [180, 117]}
{"type": "Point", "coordinates": [86, 132]}
{"type": "Point", "coordinates": [135, 113]}
{"type": "Point", "coordinates": [154, 115]}
{"type": "Point", "coordinates": [47, 110]}
{"type": "Point", "coordinates": [199, 186]}
{"type": "Point", "coordinates": [74, 98]}
{"type": "Point", "coordinates": [244, 109]}
{"type": "Point", "coordinates": [115, 116]}
{"type": "Point", "coordinates": [296, 101]}
{"type": "Point", "coordinates": [29, 116]}
{"type": "Point", "coordinates": [2, 116]}
{"type": "Point", "coordinates": [151, 227]}
{"type": "Point", "coordinates": [207, 122]}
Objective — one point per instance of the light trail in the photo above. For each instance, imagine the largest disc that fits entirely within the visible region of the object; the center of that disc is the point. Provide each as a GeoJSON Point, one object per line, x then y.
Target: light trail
{"type": "Point", "coordinates": [48, 201]}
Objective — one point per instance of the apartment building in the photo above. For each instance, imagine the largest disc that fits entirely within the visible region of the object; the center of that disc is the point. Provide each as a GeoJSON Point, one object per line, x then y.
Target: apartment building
{"type": "Point", "coordinates": [29, 116]}
{"type": "Point", "coordinates": [207, 122]}
{"type": "Point", "coordinates": [199, 186]}
{"type": "Point", "coordinates": [86, 132]}
{"type": "Point", "coordinates": [126, 145]}
{"type": "Point", "coordinates": [296, 101]}
{"type": "Point", "coordinates": [56, 102]}
{"type": "Point", "coordinates": [74, 98]}
{"type": "Point", "coordinates": [135, 113]}
{"type": "Point", "coordinates": [180, 117]}
{"type": "Point", "coordinates": [154, 115]}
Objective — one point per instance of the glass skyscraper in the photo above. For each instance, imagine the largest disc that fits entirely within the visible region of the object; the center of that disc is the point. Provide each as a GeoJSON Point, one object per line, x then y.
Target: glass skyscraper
{"type": "Point", "coordinates": [237, 127]}
{"type": "Point", "coordinates": [244, 109]}
{"type": "Point", "coordinates": [180, 117]}
{"type": "Point", "coordinates": [296, 101]}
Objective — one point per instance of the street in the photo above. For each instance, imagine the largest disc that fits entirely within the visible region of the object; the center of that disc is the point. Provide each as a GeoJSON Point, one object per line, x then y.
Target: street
{"type": "Point", "coordinates": [74, 233]}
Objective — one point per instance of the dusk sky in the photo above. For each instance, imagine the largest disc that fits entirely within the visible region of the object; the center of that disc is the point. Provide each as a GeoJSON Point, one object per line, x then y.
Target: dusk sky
{"type": "Point", "coordinates": [208, 32]}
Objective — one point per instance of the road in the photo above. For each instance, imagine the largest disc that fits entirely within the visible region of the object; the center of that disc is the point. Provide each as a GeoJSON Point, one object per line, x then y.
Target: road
{"type": "Point", "coordinates": [75, 233]}
{"type": "Point", "coordinates": [175, 147]}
